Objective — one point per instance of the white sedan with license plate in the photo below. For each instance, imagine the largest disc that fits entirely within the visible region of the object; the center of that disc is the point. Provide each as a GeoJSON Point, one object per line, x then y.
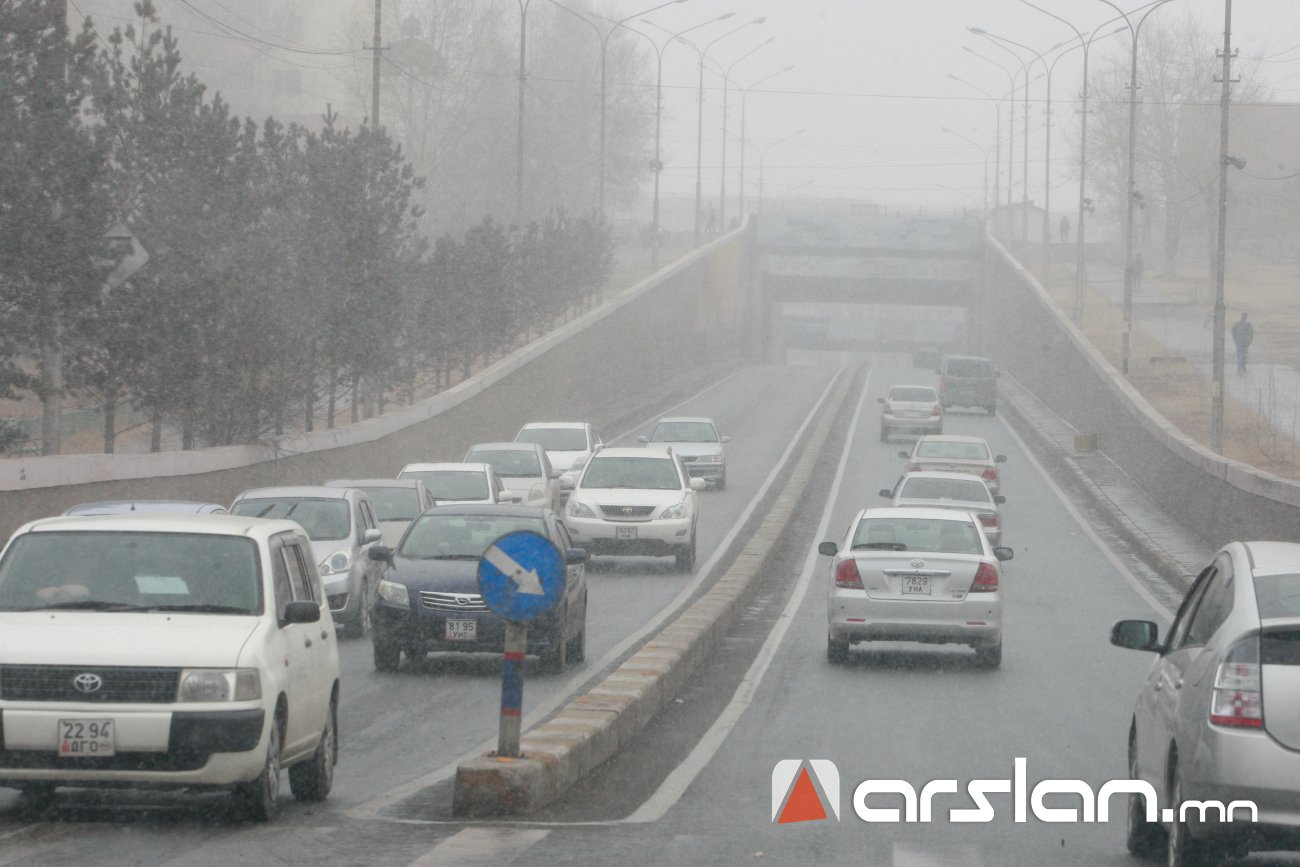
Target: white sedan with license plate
{"type": "Point", "coordinates": [915, 574]}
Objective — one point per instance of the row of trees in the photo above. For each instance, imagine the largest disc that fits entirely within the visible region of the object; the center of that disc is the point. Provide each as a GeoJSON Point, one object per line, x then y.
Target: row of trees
{"type": "Point", "coordinates": [287, 268]}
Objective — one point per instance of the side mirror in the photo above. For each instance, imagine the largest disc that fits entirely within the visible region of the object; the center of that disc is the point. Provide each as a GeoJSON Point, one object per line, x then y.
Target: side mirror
{"type": "Point", "coordinates": [904, 455]}
{"type": "Point", "coordinates": [1135, 635]}
{"type": "Point", "coordinates": [574, 556]}
{"type": "Point", "coordinates": [999, 499]}
{"type": "Point", "coordinates": [643, 439]}
{"type": "Point", "coordinates": [726, 439]}
{"type": "Point", "coordinates": [1000, 459]}
{"type": "Point", "coordinates": [302, 611]}
{"type": "Point", "coordinates": [886, 493]}
{"type": "Point", "coordinates": [698, 484]}
{"type": "Point", "coordinates": [381, 552]}
{"type": "Point", "coordinates": [828, 549]}
{"type": "Point", "coordinates": [371, 536]}
{"type": "Point", "coordinates": [512, 496]}
{"type": "Point", "coordinates": [555, 474]}
{"type": "Point", "coordinates": [1003, 554]}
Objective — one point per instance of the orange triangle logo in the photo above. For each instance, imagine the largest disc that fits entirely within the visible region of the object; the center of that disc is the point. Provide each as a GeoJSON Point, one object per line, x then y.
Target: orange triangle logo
{"type": "Point", "coordinates": [804, 804]}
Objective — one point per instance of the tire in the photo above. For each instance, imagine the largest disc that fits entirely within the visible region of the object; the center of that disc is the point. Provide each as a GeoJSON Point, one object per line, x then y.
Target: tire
{"type": "Point", "coordinates": [685, 558]}
{"type": "Point", "coordinates": [721, 484]}
{"type": "Point", "coordinates": [1143, 839]}
{"type": "Point", "coordinates": [360, 627]}
{"type": "Point", "coordinates": [556, 657]}
{"type": "Point", "coordinates": [837, 650]}
{"type": "Point", "coordinates": [257, 799]}
{"type": "Point", "coordinates": [1181, 848]}
{"type": "Point", "coordinates": [884, 434]}
{"type": "Point", "coordinates": [388, 655]}
{"type": "Point", "coordinates": [992, 408]}
{"type": "Point", "coordinates": [989, 657]}
{"type": "Point", "coordinates": [577, 650]}
{"type": "Point", "coordinates": [311, 780]}
{"type": "Point", "coordinates": [415, 653]}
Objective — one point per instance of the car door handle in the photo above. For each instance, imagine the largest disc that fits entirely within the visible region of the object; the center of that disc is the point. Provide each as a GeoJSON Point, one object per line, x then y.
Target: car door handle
{"type": "Point", "coordinates": [324, 635]}
{"type": "Point", "coordinates": [307, 642]}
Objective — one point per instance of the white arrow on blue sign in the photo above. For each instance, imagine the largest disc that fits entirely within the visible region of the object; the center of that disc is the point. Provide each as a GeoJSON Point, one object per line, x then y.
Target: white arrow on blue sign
{"type": "Point", "coordinates": [521, 576]}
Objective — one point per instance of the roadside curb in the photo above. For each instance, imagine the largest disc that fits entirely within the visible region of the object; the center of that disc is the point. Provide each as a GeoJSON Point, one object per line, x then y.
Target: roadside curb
{"type": "Point", "coordinates": [592, 727]}
{"type": "Point", "coordinates": [1165, 564]}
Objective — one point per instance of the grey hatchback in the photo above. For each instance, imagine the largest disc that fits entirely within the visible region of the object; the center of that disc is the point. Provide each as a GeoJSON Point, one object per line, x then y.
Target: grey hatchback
{"type": "Point", "coordinates": [1216, 730]}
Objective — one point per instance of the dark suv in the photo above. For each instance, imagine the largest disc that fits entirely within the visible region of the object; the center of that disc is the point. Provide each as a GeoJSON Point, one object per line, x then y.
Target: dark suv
{"type": "Point", "coordinates": [968, 380]}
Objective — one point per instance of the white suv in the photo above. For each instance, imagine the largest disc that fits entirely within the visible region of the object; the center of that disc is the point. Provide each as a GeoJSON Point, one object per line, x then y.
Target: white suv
{"type": "Point", "coordinates": [636, 501]}
{"type": "Point", "coordinates": [167, 651]}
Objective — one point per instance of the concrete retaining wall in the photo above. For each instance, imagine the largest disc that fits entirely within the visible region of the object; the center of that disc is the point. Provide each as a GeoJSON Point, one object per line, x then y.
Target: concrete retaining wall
{"type": "Point", "coordinates": [694, 315]}
{"type": "Point", "coordinates": [1023, 331]}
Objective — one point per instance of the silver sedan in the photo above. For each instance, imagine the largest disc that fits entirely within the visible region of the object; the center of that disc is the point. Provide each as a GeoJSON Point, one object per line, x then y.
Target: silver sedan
{"type": "Point", "coordinates": [951, 491]}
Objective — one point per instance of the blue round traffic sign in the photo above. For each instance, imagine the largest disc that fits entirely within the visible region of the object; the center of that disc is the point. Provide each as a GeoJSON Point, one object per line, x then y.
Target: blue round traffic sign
{"type": "Point", "coordinates": [521, 575]}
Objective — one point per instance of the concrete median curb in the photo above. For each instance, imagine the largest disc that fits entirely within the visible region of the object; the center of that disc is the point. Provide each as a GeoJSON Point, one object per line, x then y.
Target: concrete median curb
{"type": "Point", "coordinates": [1168, 567]}
{"type": "Point", "coordinates": [592, 727]}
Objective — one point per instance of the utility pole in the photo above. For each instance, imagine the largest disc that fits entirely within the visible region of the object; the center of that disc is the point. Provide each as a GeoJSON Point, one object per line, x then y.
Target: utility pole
{"type": "Point", "coordinates": [1225, 100]}
{"type": "Point", "coordinates": [51, 351]}
{"type": "Point", "coordinates": [519, 146]}
{"type": "Point", "coordinates": [374, 75]}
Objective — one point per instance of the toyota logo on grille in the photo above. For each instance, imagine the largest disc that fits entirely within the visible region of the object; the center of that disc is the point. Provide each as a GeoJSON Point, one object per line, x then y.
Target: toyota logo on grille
{"type": "Point", "coordinates": [917, 564]}
{"type": "Point", "coordinates": [627, 510]}
{"type": "Point", "coordinates": [87, 682]}
{"type": "Point", "coordinates": [462, 600]}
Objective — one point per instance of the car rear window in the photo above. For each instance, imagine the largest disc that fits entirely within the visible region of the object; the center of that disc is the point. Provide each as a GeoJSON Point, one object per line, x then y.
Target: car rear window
{"type": "Point", "coordinates": [1277, 595]}
{"type": "Point", "coordinates": [918, 534]}
{"type": "Point", "coordinates": [324, 520]}
{"type": "Point", "coordinates": [914, 394]}
{"type": "Point", "coordinates": [509, 463]}
{"type": "Point", "coordinates": [555, 439]}
{"type": "Point", "coordinates": [394, 504]}
{"type": "Point", "coordinates": [969, 367]}
{"type": "Point", "coordinates": [952, 451]}
{"type": "Point", "coordinates": [452, 484]}
{"type": "Point", "coordinates": [684, 432]}
{"type": "Point", "coordinates": [440, 536]}
{"type": "Point", "coordinates": [202, 573]}
{"type": "Point", "coordinates": [973, 490]}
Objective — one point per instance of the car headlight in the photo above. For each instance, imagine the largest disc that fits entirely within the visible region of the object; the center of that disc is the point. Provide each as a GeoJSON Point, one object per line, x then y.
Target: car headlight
{"type": "Point", "coordinates": [709, 459]}
{"type": "Point", "coordinates": [579, 510]}
{"type": "Point", "coordinates": [336, 564]}
{"type": "Point", "coordinates": [537, 491]}
{"type": "Point", "coordinates": [394, 593]}
{"type": "Point", "coordinates": [218, 684]}
{"type": "Point", "coordinates": [681, 510]}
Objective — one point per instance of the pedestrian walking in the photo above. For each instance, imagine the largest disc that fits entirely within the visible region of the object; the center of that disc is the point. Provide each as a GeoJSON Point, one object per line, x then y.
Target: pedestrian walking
{"type": "Point", "coordinates": [1065, 230]}
{"type": "Point", "coordinates": [1243, 333]}
{"type": "Point", "coordinates": [1138, 268]}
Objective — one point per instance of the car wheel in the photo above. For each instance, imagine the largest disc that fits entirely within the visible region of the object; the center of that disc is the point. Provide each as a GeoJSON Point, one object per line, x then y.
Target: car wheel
{"type": "Point", "coordinates": [577, 649]}
{"type": "Point", "coordinates": [388, 655]}
{"type": "Point", "coordinates": [685, 558]}
{"type": "Point", "coordinates": [1143, 839]}
{"type": "Point", "coordinates": [256, 799]}
{"type": "Point", "coordinates": [989, 657]}
{"type": "Point", "coordinates": [1181, 848]}
{"type": "Point", "coordinates": [992, 408]}
{"type": "Point", "coordinates": [360, 627]}
{"type": "Point", "coordinates": [555, 657]}
{"type": "Point", "coordinates": [837, 650]}
{"type": "Point", "coordinates": [884, 434]}
{"type": "Point", "coordinates": [415, 653]}
{"type": "Point", "coordinates": [311, 780]}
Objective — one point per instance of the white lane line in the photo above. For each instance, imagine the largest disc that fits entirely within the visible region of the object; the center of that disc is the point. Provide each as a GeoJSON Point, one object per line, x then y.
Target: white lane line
{"type": "Point", "coordinates": [672, 409]}
{"type": "Point", "coordinates": [908, 855]}
{"type": "Point", "coordinates": [475, 846]}
{"type": "Point", "coordinates": [371, 809]}
{"type": "Point", "coordinates": [676, 783]}
{"type": "Point", "coordinates": [1134, 582]}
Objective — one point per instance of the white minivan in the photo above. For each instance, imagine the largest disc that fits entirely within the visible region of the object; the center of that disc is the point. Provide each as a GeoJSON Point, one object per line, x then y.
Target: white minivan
{"type": "Point", "coordinates": [167, 650]}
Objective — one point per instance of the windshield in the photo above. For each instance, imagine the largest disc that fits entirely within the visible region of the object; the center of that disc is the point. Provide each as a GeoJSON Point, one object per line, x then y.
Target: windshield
{"type": "Point", "coordinates": [461, 537]}
{"type": "Point", "coordinates": [952, 451]}
{"type": "Point", "coordinates": [1277, 595]}
{"type": "Point", "coordinates": [105, 571]}
{"type": "Point", "coordinates": [555, 439]}
{"type": "Point", "coordinates": [970, 367]}
{"type": "Point", "coordinates": [324, 520]}
{"type": "Point", "coordinates": [452, 484]}
{"type": "Point", "coordinates": [684, 432]}
{"type": "Point", "coordinates": [918, 395]}
{"type": "Point", "coordinates": [394, 504]}
{"type": "Point", "coordinates": [509, 463]}
{"type": "Point", "coordinates": [659, 474]}
{"type": "Point", "coordinates": [918, 534]}
{"type": "Point", "coordinates": [972, 491]}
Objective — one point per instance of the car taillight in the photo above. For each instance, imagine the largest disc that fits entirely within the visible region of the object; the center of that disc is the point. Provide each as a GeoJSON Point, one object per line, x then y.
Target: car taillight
{"type": "Point", "coordinates": [1237, 700]}
{"type": "Point", "coordinates": [989, 475]}
{"type": "Point", "coordinates": [937, 411]}
{"type": "Point", "coordinates": [986, 579]}
{"type": "Point", "coordinates": [914, 468]}
{"type": "Point", "coordinates": [847, 575]}
{"type": "Point", "coordinates": [988, 519]}
{"type": "Point", "coordinates": [943, 383]}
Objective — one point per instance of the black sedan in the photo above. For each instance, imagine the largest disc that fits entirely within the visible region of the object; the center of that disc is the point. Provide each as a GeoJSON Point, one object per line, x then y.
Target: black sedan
{"type": "Point", "coordinates": [428, 599]}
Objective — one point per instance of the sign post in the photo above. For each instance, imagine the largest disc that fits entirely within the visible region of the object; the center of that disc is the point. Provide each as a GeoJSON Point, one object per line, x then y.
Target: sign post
{"type": "Point", "coordinates": [521, 577]}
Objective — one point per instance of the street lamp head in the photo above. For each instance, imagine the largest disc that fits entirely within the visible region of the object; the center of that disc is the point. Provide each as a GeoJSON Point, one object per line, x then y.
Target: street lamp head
{"type": "Point", "coordinates": [724, 16]}
{"type": "Point", "coordinates": [770, 40]}
{"type": "Point", "coordinates": [759, 20]}
{"type": "Point", "coordinates": [977, 31]}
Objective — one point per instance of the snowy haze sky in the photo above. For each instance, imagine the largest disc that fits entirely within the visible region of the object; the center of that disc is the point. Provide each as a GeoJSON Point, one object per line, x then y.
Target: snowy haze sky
{"type": "Point", "coordinates": [870, 87]}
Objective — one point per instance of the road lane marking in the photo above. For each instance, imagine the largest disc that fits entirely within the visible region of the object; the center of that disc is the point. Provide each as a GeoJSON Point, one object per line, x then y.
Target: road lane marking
{"type": "Point", "coordinates": [485, 846]}
{"type": "Point", "coordinates": [1134, 582]}
{"type": "Point", "coordinates": [371, 808]}
{"type": "Point", "coordinates": [907, 855]}
{"type": "Point", "coordinates": [680, 778]}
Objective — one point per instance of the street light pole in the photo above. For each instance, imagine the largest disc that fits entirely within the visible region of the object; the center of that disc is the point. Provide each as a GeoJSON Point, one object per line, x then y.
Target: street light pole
{"type": "Point", "coordinates": [1011, 120]}
{"type": "Point", "coordinates": [1127, 349]}
{"type": "Point", "coordinates": [744, 100]}
{"type": "Point", "coordinates": [982, 150]}
{"type": "Point", "coordinates": [1220, 313]}
{"type": "Point", "coordinates": [699, 133]}
{"type": "Point", "coordinates": [726, 89]}
{"type": "Point", "coordinates": [762, 159]}
{"type": "Point", "coordinates": [519, 147]}
{"type": "Point", "coordinates": [997, 138]}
